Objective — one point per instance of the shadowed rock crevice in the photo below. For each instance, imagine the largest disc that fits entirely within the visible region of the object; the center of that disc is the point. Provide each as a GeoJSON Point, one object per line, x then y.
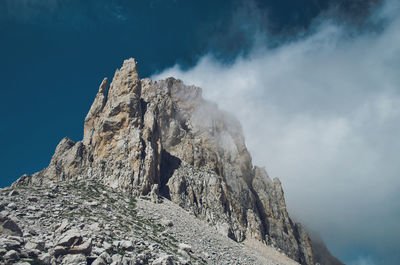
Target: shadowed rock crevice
{"type": "Point", "coordinates": [143, 107]}
{"type": "Point", "coordinates": [261, 211]}
{"type": "Point", "coordinates": [169, 164]}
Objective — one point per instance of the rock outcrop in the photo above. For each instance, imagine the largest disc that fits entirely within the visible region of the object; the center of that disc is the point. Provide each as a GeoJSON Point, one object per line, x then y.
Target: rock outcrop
{"type": "Point", "coordinates": [163, 139]}
{"type": "Point", "coordinates": [85, 222]}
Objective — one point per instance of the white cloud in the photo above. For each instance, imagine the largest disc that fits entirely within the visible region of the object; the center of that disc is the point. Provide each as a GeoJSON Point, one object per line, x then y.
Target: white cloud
{"type": "Point", "coordinates": [323, 114]}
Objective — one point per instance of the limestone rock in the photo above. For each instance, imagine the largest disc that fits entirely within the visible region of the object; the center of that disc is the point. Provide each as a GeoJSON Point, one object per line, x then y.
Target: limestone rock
{"type": "Point", "coordinates": [185, 247]}
{"type": "Point", "coordinates": [163, 260]}
{"type": "Point", "coordinates": [116, 258]}
{"type": "Point", "coordinates": [11, 255]}
{"type": "Point", "coordinates": [128, 219]}
{"type": "Point", "coordinates": [106, 257]}
{"type": "Point", "coordinates": [166, 222]}
{"type": "Point", "coordinates": [147, 138]}
{"type": "Point", "coordinates": [22, 263]}
{"type": "Point", "coordinates": [85, 248]}
{"type": "Point", "coordinates": [62, 226]}
{"type": "Point", "coordinates": [99, 261]}
{"type": "Point", "coordinates": [10, 227]}
{"type": "Point", "coordinates": [126, 245]}
{"type": "Point", "coordinates": [13, 193]}
{"type": "Point", "coordinates": [45, 258]}
{"type": "Point", "coordinates": [8, 243]}
{"type": "Point", "coordinates": [70, 238]}
{"type": "Point", "coordinates": [74, 259]}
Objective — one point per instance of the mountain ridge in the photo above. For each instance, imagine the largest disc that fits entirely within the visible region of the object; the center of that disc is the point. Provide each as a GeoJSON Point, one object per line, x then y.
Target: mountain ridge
{"type": "Point", "coordinates": [162, 138]}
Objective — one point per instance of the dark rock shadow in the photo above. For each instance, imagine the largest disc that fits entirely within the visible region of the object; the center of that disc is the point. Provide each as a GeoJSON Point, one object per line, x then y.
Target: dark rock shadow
{"type": "Point", "coordinates": [169, 164]}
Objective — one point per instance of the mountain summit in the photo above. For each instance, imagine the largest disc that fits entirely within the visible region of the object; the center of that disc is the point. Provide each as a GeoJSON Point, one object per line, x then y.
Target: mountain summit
{"type": "Point", "coordinates": [161, 140]}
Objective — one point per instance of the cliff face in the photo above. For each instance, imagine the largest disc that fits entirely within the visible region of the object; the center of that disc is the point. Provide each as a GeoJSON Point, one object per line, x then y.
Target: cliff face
{"type": "Point", "coordinates": [162, 139]}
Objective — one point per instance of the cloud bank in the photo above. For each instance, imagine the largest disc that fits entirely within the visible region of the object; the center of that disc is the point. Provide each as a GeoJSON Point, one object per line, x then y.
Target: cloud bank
{"type": "Point", "coordinates": [323, 114]}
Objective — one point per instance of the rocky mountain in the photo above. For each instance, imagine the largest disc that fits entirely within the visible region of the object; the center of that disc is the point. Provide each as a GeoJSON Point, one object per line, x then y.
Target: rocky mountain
{"type": "Point", "coordinates": [162, 141]}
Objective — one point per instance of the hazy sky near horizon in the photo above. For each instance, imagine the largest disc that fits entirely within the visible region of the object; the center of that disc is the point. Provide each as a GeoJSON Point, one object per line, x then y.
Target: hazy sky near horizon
{"type": "Point", "coordinates": [315, 84]}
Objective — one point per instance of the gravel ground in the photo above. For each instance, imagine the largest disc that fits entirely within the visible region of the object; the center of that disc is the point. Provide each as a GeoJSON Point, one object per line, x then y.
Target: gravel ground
{"type": "Point", "coordinates": [84, 222]}
{"type": "Point", "coordinates": [205, 241]}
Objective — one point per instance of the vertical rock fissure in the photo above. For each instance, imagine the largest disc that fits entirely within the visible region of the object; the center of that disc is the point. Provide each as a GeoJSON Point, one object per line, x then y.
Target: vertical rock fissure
{"type": "Point", "coordinates": [169, 164]}
{"type": "Point", "coordinates": [143, 107]}
{"type": "Point", "coordinates": [261, 212]}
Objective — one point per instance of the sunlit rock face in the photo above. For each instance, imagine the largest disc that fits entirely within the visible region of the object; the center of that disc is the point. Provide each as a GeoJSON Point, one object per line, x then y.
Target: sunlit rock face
{"type": "Point", "coordinates": [163, 139]}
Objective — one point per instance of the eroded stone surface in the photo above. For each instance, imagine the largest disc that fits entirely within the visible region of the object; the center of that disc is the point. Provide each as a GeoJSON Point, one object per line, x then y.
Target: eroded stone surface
{"type": "Point", "coordinates": [163, 139]}
{"type": "Point", "coordinates": [131, 230]}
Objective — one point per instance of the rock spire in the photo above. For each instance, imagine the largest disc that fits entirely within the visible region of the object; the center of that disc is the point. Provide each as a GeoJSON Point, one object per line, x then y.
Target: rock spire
{"type": "Point", "coordinates": [163, 139]}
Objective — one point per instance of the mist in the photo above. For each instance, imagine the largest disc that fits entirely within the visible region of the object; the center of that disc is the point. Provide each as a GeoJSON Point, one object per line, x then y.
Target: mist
{"type": "Point", "coordinates": [322, 113]}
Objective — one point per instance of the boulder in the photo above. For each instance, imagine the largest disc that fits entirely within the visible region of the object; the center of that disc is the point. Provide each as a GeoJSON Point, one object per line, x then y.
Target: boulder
{"type": "Point", "coordinates": [99, 261]}
{"type": "Point", "coordinates": [69, 238]}
{"type": "Point", "coordinates": [11, 255]}
{"type": "Point", "coordinates": [126, 245]}
{"type": "Point", "coordinates": [185, 247]}
{"type": "Point", "coordinates": [74, 259]}
{"type": "Point", "coordinates": [163, 260]}
{"type": "Point", "coordinates": [45, 258]}
{"type": "Point", "coordinates": [85, 248]}
{"type": "Point", "coordinates": [166, 222]}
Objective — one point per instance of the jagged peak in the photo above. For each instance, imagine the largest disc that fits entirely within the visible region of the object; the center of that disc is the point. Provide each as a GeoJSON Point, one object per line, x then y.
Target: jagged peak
{"type": "Point", "coordinates": [103, 86]}
{"type": "Point", "coordinates": [126, 80]}
{"type": "Point", "coordinates": [144, 137]}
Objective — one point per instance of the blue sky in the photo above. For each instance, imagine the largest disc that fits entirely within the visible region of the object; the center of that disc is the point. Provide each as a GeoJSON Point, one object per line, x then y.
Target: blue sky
{"type": "Point", "coordinates": [313, 82]}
